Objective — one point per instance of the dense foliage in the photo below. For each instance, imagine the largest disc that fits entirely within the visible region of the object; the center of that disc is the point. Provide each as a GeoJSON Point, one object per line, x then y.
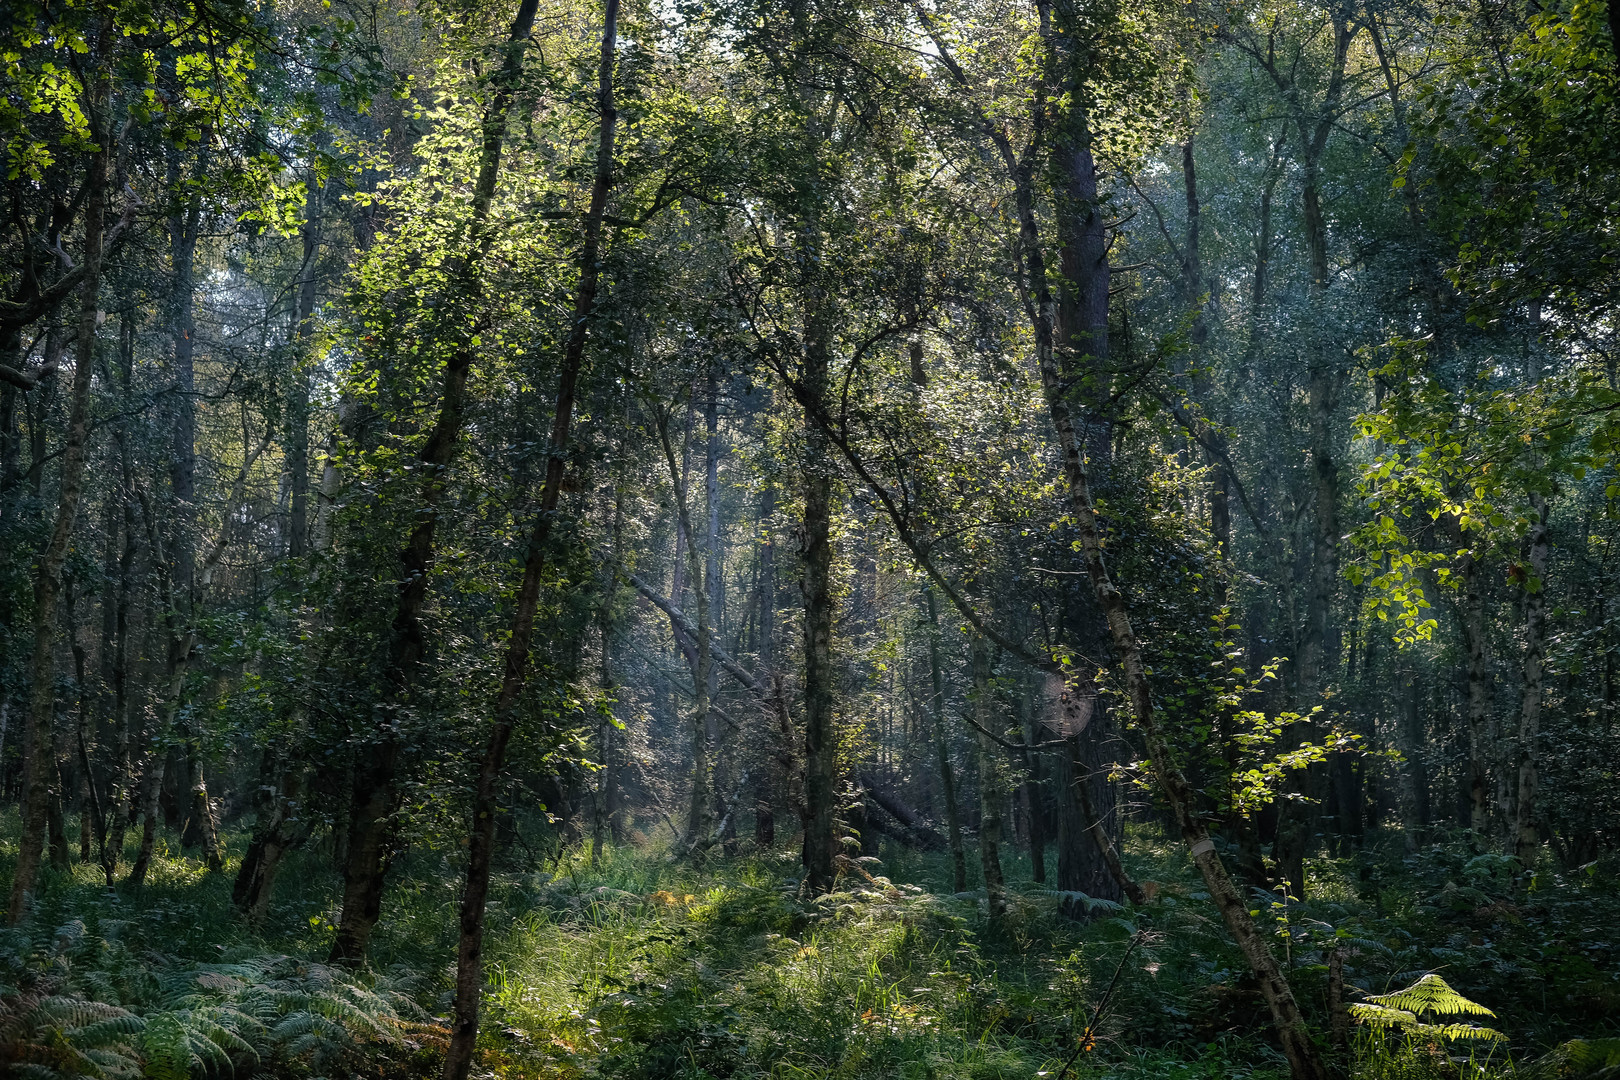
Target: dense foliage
{"type": "Point", "coordinates": [842, 537]}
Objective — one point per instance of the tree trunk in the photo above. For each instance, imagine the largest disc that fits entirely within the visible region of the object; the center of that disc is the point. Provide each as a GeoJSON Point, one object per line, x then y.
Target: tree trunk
{"type": "Point", "coordinates": [1414, 777]}
{"type": "Point", "coordinates": [1475, 645]}
{"type": "Point", "coordinates": [514, 676]}
{"type": "Point", "coordinates": [815, 564]}
{"type": "Point", "coordinates": [1088, 827]}
{"type": "Point", "coordinates": [1081, 328]}
{"type": "Point", "coordinates": [1526, 829]}
{"type": "Point", "coordinates": [298, 392]}
{"type": "Point", "coordinates": [992, 791]}
{"type": "Point", "coordinates": [278, 831]}
{"type": "Point", "coordinates": [1304, 1060]}
{"type": "Point", "coordinates": [153, 783]}
{"type": "Point", "coordinates": [820, 738]}
{"type": "Point", "coordinates": [607, 785]}
{"type": "Point", "coordinates": [38, 763]}
{"type": "Point", "coordinates": [1034, 796]}
{"type": "Point", "coordinates": [942, 747]}
{"type": "Point", "coordinates": [376, 769]}
{"type": "Point", "coordinates": [773, 778]}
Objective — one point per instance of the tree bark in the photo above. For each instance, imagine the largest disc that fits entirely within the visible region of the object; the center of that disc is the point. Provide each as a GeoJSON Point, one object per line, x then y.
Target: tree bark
{"type": "Point", "coordinates": [298, 394]}
{"type": "Point", "coordinates": [152, 784]}
{"type": "Point", "coordinates": [1414, 777]}
{"type": "Point", "coordinates": [279, 830]}
{"type": "Point", "coordinates": [1475, 644]}
{"type": "Point", "coordinates": [38, 763]}
{"type": "Point", "coordinates": [992, 790]}
{"type": "Point", "coordinates": [1304, 1061]}
{"type": "Point", "coordinates": [374, 795]}
{"type": "Point", "coordinates": [815, 582]}
{"type": "Point", "coordinates": [699, 811]}
{"type": "Point", "coordinates": [514, 677]}
{"type": "Point", "coordinates": [942, 748]}
{"type": "Point", "coordinates": [1526, 828]}
{"type": "Point", "coordinates": [605, 821]}
{"type": "Point", "coordinates": [1034, 796]}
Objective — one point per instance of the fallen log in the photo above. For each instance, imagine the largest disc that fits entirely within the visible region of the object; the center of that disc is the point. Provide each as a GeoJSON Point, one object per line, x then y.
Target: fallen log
{"type": "Point", "coordinates": [909, 827]}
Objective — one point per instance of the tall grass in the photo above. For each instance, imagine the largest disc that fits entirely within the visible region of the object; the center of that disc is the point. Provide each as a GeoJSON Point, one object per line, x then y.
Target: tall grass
{"type": "Point", "coordinates": [636, 966]}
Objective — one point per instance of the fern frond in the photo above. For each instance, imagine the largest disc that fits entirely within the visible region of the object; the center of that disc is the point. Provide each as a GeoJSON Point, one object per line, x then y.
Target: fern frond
{"type": "Point", "coordinates": [1457, 1031]}
{"type": "Point", "coordinates": [104, 1032]}
{"type": "Point", "coordinates": [1586, 1059]}
{"type": "Point", "coordinates": [32, 1071]}
{"type": "Point", "coordinates": [73, 1012]}
{"type": "Point", "coordinates": [1070, 896]}
{"type": "Point", "coordinates": [1368, 944]}
{"type": "Point", "coordinates": [1431, 994]}
{"type": "Point", "coordinates": [167, 1048]}
{"type": "Point", "coordinates": [1382, 1015]}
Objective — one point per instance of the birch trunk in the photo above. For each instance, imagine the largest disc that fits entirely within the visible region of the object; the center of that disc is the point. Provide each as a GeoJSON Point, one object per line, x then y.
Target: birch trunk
{"type": "Point", "coordinates": [38, 755]}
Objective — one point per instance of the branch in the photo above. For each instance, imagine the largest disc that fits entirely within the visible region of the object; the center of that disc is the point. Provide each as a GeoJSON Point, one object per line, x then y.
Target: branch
{"type": "Point", "coordinates": [814, 409]}
{"type": "Point", "coordinates": [1192, 427]}
{"type": "Point", "coordinates": [19, 313]}
{"type": "Point", "coordinates": [678, 617]}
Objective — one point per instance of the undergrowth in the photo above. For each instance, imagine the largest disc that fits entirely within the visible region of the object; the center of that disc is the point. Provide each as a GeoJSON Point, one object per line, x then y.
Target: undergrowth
{"type": "Point", "coordinates": [640, 967]}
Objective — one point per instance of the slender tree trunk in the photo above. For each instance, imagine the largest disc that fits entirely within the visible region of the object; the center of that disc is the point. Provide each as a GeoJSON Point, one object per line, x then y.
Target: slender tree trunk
{"type": "Point", "coordinates": [1414, 776]}
{"type": "Point", "coordinates": [992, 790]}
{"type": "Point", "coordinates": [1034, 784]}
{"type": "Point", "coordinates": [470, 945]}
{"type": "Point", "coordinates": [820, 738]}
{"type": "Point", "coordinates": [278, 831]}
{"type": "Point", "coordinates": [1479, 697]}
{"type": "Point", "coordinates": [942, 748]}
{"type": "Point", "coordinates": [815, 582]}
{"type": "Point", "coordinates": [773, 778]}
{"type": "Point", "coordinates": [700, 808]}
{"type": "Point", "coordinates": [298, 393]}
{"type": "Point", "coordinates": [54, 823]}
{"type": "Point", "coordinates": [1527, 830]}
{"type": "Point", "coordinates": [151, 786]}
{"type": "Point", "coordinates": [607, 782]}
{"type": "Point", "coordinates": [38, 764]}
{"type": "Point", "coordinates": [376, 770]}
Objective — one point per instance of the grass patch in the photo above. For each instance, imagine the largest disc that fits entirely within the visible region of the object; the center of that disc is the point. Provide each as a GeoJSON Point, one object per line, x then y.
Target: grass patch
{"type": "Point", "coordinates": [639, 967]}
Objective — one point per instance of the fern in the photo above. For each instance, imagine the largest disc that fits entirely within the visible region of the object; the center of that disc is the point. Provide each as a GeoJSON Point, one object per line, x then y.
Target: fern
{"type": "Point", "coordinates": [1417, 1013]}
{"type": "Point", "coordinates": [100, 1033]}
{"type": "Point", "coordinates": [1586, 1059]}
{"type": "Point", "coordinates": [167, 1048]}
{"type": "Point", "coordinates": [1070, 898]}
{"type": "Point", "coordinates": [1431, 994]}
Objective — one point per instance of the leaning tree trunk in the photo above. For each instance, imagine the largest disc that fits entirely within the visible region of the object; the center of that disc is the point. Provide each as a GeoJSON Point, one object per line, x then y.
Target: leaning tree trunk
{"type": "Point", "coordinates": [376, 770]}
{"type": "Point", "coordinates": [481, 844]}
{"type": "Point", "coordinates": [38, 755]}
{"type": "Point", "coordinates": [1305, 1062]}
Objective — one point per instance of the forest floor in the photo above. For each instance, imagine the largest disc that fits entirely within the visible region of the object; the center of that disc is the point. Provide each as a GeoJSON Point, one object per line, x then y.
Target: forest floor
{"type": "Point", "coordinates": [641, 968]}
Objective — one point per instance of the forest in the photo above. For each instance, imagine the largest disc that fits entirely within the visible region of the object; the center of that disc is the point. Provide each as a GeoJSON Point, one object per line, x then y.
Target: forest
{"type": "Point", "coordinates": [982, 539]}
